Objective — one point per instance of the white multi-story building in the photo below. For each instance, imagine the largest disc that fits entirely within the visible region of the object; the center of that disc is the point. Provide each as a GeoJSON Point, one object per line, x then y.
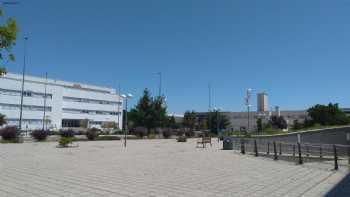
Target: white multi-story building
{"type": "Point", "coordinates": [67, 104]}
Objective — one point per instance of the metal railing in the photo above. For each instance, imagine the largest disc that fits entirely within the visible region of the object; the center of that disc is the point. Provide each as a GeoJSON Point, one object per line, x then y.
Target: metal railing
{"type": "Point", "coordinates": [297, 152]}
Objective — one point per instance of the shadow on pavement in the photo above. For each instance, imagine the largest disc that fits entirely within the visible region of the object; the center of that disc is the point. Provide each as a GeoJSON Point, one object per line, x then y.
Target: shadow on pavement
{"type": "Point", "coordinates": [341, 189]}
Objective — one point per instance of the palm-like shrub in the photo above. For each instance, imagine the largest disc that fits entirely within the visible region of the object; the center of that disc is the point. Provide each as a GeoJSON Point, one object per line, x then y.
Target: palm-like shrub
{"type": "Point", "coordinates": [65, 141]}
{"type": "Point", "coordinates": [2, 120]}
{"type": "Point", "coordinates": [92, 134]}
{"type": "Point", "coordinates": [40, 135]}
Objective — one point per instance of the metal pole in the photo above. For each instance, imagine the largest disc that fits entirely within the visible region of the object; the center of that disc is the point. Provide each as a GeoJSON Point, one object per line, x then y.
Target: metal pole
{"type": "Point", "coordinates": [209, 113]}
{"type": "Point", "coordinates": [119, 106]}
{"type": "Point", "coordinates": [217, 124]}
{"type": "Point", "coordinates": [160, 84]}
{"type": "Point", "coordinates": [23, 78]}
{"type": "Point", "coordinates": [126, 121]}
{"type": "Point", "coordinates": [335, 158]}
{"type": "Point", "coordinates": [274, 151]}
{"type": "Point", "coordinates": [248, 119]}
{"type": "Point", "coordinates": [45, 95]}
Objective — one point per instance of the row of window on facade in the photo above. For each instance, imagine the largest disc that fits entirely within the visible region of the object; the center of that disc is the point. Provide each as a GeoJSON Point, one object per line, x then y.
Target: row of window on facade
{"type": "Point", "coordinates": [5, 106]}
{"type": "Point", "coordinates": [92, 112]}
{"type": "Point", "coordinates": [49, 96]}
{"type": "Point", "coordinates": [25, 93]}
{"type": "Point", "coordinates": [93, 101]}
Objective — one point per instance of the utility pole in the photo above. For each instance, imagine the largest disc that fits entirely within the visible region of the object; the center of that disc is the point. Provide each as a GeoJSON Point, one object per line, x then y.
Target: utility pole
{"type": "Point", "coordinates": [247, 100]}
{"type": "Point", "coordinates": [160, 84]}
{"type": "Point", "coordinates": [119, 103]}
{"type": "Point", "coordinates": [45, 96]}
{"type": "Point", "coordinates": [23, 78]}
{"type": "Point", "coordinates": [209, 108]}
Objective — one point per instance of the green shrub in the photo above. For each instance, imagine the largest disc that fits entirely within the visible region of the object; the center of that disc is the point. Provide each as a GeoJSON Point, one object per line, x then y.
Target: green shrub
{"type": "Point", "coordinates": [92, 134]}
{"type": "Point", "coordinates": [182, 139]}
{"type": "Point", "coordinates": [65, 141]}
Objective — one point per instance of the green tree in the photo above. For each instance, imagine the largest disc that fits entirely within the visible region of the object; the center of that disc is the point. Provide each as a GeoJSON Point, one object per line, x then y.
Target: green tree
{"type": "Point", "coordinates": [190, 119]}
{"type": "Point", "coordinates": [149, 112]}
{"type": "Point", "coordinates": [218, 121]}
{"type": "Point", "coordinates": [2, 120]}
{"type": "Point", "coordinates": [159, 112]}
{"type": "Point", "coordinates": [172, 122]}
{"type": "Point", "coordinates": [141, 115]}
{"type": "Point", "coordinates": [259, 125]}
{"type": "Point", "coordinates": [328, 115]}
{"type": "Point", "coordinates": [297, 125]}
{"type": "Point", "coordinates": [278, 122]}
{"type": "Point", "coordinates": [8, 35]}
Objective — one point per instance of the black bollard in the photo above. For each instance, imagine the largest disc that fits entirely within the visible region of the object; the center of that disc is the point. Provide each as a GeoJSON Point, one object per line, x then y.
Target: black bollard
{"type": "Point", "coordinates": [242, 147]}
{"type": "Point", "coordinates": [268, 148]}
{"type": "Point", "coordinates": [256, 149]}
{"type": "Point", "coordinates": [293, 150]}
{"type": "Point", "coordinates": [300, 158]}
{"type": "Point", "coordinates": [349, 154]}
{"type": "Point", "coordinates": [280, 148]}
{"type": "Point", "coordinates": [335, 158]}
{"type": "Point", "coordinates": [275, 151]}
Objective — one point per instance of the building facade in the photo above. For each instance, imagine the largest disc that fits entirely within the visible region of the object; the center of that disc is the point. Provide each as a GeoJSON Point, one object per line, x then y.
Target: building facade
{"type": "Point", "coordinates": [239, 120]}
{"type": "Point", "coordinates": [68, 104]}
{"type": "Point", "coordinates": [262, 102]}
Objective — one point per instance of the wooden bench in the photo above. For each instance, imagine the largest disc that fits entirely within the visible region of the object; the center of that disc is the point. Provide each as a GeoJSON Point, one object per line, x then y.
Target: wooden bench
{"type": "Point", "coordinates": [204, 141]}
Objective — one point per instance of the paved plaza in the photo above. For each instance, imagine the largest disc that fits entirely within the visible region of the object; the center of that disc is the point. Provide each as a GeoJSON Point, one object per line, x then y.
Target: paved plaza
{"type": "Point", "coordinates": [153, 168]}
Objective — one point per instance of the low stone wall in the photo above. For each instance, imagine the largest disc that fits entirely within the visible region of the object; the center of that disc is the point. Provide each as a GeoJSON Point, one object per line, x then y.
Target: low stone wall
{"type": "Point", "coordinates": [324, 136]}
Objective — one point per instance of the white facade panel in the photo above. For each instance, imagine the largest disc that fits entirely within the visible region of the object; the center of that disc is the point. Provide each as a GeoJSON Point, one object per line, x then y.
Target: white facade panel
{"type": "Point", "coordinates": [65, 101]}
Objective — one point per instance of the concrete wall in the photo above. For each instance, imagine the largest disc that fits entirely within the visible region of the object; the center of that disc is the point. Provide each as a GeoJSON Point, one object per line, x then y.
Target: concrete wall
{"type": "Point", "coordinates": [324, 136]}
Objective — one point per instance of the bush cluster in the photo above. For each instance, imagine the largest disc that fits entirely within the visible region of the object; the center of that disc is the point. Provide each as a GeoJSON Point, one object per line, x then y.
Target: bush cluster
{"type": "Point", "coordinates": [92, 133]}
{"type": "Point", "coordinates": [167, 133]}
{"type": "Point", "coordinates": [10, 133]}
{"type": "Point", "coordinates": [140, 132]}
{"type": "Point", "coordinates": [39, 135]}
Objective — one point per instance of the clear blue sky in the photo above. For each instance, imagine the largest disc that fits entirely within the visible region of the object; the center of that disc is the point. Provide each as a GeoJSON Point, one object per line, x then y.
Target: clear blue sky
{"type": "Point", "coordinates": [298, 51]}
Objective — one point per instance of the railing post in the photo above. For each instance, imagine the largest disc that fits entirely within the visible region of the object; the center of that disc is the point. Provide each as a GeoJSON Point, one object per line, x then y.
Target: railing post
{"type": "Point", "coordinates": [256, 149]}
{"type": "Point", "coordinates": [348, 154]}
{"type": "Point", "coordinates": [293, 150]}
{"type": "Point", "coordinates": [299, 151]}
{"type": "Point", "coordinates": [335, 158]}
{"type": "Point", "coordinates": [275, 151]}
{"type": "Point", "coordinates": [307, 151]}
{"type": "Point", "coordinates": [321, 154]}
{"type": "Point", "coordinates": [280, 148]}
{"type": "Point", "coordinates": [242, 147]}
{"type": "Point", "coordinates": [268, 148]}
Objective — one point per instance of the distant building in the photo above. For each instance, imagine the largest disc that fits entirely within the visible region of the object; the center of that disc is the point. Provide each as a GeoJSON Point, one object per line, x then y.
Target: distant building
{"type": "Point", "coordinates": [68, 105]}
{"type": "Point", "coordinates": [239, 120]}
{"type": "Point", "coordinates": [262, 99]}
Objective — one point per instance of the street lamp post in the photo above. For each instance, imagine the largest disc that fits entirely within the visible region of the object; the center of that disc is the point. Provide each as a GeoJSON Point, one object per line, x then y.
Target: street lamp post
{"type": "Point", "coordinates": [23, 78]}
{"type": "Point", "coordinates": [45, 97]}
{"type": "Point", "coordinates": [126, 97]}
{"type": "Point", "coordinates": [247, 102]}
